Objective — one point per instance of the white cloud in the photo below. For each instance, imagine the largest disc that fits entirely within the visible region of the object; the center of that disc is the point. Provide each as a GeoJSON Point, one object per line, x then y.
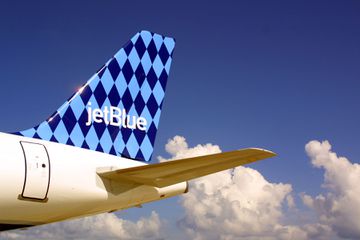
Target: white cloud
{"type": "Point", "coordinates": [233, 204]}
{"type": "Point", "coordinates": [103, 226]}
{"type": "Point", "coordinates": [290, 201]}
{"type": "Point", "coordinates": [339, 207]}
{"type": "Point", "coordinates": [178, 148]}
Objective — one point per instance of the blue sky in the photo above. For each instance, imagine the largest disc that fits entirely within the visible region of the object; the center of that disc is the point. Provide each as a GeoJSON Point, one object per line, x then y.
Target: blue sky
{"type": "Point", "coordinates": [270, 74]}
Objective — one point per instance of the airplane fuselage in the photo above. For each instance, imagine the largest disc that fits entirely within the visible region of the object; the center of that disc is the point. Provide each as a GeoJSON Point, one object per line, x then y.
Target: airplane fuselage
{"type": "Point", "coordinates": [43, 182]}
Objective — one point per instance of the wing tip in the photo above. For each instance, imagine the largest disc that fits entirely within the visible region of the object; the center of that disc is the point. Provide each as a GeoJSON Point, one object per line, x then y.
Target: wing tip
{"type": "Point", "coordinates": [268, 153]}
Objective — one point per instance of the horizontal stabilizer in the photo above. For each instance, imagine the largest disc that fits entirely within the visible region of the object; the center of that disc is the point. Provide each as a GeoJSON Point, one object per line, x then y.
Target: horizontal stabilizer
{"type": "Point", "coordinates": [172, 172]}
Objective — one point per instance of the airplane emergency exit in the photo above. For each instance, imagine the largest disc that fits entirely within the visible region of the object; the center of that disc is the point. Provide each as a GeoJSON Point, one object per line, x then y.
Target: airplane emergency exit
{"type": "Point", "coordinates": [90, 155]}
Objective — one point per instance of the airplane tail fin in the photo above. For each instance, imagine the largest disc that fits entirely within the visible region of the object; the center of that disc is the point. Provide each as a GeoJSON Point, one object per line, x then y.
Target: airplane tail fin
{"type": "Point", "coordinates": [118, 110]}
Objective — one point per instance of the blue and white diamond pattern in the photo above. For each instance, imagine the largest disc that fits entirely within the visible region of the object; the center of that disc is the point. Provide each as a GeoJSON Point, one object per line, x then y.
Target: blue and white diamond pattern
{"type": "Point", "coordinates": [135, 80]}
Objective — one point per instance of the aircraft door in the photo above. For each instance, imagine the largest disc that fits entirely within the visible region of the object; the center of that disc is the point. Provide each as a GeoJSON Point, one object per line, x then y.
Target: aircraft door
{"type": "Point", "coordinates": [37, 171]}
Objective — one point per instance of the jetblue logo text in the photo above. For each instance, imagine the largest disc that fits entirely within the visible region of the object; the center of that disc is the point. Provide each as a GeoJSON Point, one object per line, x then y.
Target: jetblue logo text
{"type": "Point", "coordinates": [116, 117]}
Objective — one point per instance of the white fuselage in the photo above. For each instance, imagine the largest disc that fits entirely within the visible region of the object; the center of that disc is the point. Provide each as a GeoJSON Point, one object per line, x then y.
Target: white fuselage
{"type": "Point", "coordinates": [43, 182]}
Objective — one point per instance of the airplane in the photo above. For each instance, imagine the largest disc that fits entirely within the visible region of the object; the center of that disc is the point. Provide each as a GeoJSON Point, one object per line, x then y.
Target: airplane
{"type": "Point", "coordinates": [90, 156]}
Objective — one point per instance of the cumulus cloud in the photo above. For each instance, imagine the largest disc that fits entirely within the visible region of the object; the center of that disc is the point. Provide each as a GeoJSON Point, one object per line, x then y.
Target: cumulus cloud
{"type": "Point", "coordinates": [178, 148]}
{"type": "Point", "coordinates": [339, 207]}
{"type": "Point", "coordinates": [233, 204]}
{"type": "Point", "coordinates": [103, 226]}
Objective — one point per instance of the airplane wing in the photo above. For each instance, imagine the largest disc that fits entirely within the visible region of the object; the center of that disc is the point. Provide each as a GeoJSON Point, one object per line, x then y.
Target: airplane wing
{"type": "Point", "coordinates": [172, 172]}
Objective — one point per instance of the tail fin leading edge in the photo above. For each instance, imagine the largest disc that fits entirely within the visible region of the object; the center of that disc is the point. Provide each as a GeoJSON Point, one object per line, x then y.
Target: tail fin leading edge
{"type": "Point", "coordinates": [118, 110]}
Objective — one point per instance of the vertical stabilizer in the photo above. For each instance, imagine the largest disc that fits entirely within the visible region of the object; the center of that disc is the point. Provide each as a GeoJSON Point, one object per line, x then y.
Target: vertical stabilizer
{"type": "Point", "coordinates": [118, 110]}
